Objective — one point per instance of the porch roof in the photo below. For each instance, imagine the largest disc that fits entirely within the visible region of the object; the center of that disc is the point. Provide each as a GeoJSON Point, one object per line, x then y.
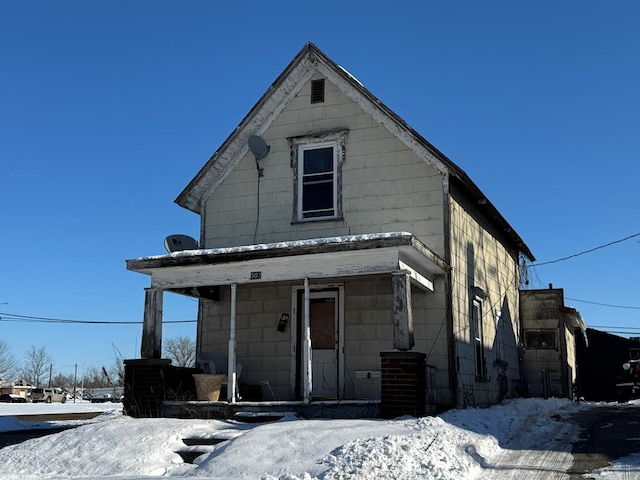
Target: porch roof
{"type": "Point", "coordinates": [312, 258]}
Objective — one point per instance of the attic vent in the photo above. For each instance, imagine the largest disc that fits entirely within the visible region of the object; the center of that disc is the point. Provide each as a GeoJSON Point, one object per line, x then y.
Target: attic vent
{"type": "Point", "coordinates": [317, 91]}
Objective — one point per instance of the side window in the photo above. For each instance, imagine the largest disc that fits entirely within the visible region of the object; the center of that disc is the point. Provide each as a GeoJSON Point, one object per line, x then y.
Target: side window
{"type": "Point", "coordinates": [477, 332]}
{"type": "Point", "coordinates": [544, 339]}
{"type": "Point", "coordinates": [317, 164]}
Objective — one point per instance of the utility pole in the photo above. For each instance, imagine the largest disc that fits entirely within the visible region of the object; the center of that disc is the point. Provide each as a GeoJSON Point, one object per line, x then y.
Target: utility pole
{"type": "Point", "coordinates": [75, 383]}
{"type": "Point", "coordinates": [50, 373]}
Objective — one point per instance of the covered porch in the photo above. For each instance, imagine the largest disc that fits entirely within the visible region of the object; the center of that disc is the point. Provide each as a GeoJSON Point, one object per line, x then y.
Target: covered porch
{"type": "Point", "coordinates": [303, 353]}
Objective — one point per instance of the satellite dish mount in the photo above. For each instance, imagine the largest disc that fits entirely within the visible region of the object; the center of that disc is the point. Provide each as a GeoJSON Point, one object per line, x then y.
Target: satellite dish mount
{"type": "Point", "coordinates": [260, 149]}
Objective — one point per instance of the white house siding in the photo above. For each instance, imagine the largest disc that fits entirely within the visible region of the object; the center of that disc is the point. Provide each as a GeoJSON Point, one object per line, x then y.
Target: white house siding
{"type": "Point", "coordinates": [265, 353]}
{"type": "Point", "coordinates": [479, 259]}
{"type": "Point", "coordinates": [385, 186]}
{"type": "Point", "coordinates": [430, 333]}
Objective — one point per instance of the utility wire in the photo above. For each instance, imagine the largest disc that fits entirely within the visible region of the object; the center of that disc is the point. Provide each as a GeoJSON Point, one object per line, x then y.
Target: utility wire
{"type": "Point", "coordinates": [616, 327]}
{"type": "Point", "coordinates": [586, 251]}
{"type": "Point", "coordinates": [10, 317]}
{"type": "Point", "coordinates": [603, 304]}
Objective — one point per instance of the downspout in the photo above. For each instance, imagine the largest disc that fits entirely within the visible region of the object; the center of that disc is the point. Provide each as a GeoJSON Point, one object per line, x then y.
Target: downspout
{"type": "Point", "coordinates": [231, 371]}
{"type": "Point", "coordinates": [306, 353]}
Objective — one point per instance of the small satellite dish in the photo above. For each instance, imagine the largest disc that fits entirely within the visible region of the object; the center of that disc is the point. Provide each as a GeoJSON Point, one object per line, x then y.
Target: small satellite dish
{"type": "Point", "coordinates": [258, 147]}
{"type": "Point", "coordinates": [177, 243]}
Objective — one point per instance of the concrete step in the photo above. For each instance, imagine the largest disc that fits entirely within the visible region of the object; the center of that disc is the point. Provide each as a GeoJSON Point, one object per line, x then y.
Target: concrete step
{"type": "Point", "coordinates": [258, 417]}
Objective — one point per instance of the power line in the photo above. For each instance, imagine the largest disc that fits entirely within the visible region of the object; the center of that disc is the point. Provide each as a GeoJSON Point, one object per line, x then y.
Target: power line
{"type": "Point", "coordinates": [615, 327]}
{"type": "Point", "coordinates": [10, 317]}
{"type": "Point", "coordinates": [586, 251]}
{"type": "Point", "coordinates": [603, 304]}
{"type": "Point", "coordinates": [622, 332]}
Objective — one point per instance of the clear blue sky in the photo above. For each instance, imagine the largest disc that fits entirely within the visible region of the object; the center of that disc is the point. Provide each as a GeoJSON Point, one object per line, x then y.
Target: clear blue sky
{"type": "Point", "coordinates": [109, 109]}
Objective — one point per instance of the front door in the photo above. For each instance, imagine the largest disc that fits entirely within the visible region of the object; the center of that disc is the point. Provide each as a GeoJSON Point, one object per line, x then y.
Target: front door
{"type": "Point", "coordinates": [324, 332]}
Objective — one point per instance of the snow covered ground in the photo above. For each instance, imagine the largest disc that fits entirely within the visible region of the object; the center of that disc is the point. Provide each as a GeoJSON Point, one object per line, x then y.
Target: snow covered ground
{"type": "Point", "coordinates": [503, 441]}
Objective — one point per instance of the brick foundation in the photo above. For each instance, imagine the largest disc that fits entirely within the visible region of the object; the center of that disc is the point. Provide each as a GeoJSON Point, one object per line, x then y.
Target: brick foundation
{"type": "Point", "coordinates": [403, 384]}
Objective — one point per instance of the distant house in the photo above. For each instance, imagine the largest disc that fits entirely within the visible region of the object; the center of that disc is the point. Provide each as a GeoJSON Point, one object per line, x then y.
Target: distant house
{"type": "Point", "coordinates": [337, 248]}
{"type": "Point", "coordinates": [550, 328]}
{"type": "Point", "coordinates": [20, 387]}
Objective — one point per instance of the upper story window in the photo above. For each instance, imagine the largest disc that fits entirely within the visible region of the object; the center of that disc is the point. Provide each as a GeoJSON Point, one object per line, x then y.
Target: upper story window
{"type": "Point", "coordinates": [317, 163]}
{"type": "Point", "coordinates": [542, 339]}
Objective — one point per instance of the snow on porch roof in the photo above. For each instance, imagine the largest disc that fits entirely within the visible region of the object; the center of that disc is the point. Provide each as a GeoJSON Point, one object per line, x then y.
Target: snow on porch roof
{"type": "Point", "coordinates": [244, 253]}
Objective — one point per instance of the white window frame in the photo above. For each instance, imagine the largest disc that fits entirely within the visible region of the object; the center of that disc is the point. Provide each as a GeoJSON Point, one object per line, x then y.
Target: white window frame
{"type": "Point", "coordinates": [478, 339]}
{"type": "Point", "coordinates": [476, 320]}
{"type": "Point", "coordinates": [300, 145]}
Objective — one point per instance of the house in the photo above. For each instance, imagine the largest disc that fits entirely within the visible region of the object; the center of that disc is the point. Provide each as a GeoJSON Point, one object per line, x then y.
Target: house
{"type": "Point", "coordinates": [550, 329]}
{"type": "Point", "coordinates": [338, 248]}
{"type": "Point", "coordinates": [20, 387]}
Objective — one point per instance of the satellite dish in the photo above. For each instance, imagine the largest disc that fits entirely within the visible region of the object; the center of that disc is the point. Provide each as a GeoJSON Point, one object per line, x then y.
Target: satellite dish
{"type": "Point", "coordinates": [258, 147]}
{"type": "Point", "coordinates": [177, 243]}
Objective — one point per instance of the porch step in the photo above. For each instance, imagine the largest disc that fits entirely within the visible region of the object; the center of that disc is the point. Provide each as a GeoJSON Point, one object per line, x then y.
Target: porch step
{"type": "Point", "coordinates": [203, 441]}
{"type": "Point", "coordinates": [196, 446]}
{"type": "Point", "coordinates": [189, 456]}
{"type": "Point", "coordinates": [259, 417]}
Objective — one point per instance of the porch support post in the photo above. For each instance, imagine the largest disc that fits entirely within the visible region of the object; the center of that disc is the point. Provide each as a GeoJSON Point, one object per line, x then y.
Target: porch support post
{"type": "Point", "coordinates": [306, 354]}
{"type": "Point", "coordinates": [231, 368]}
{"type": "Point", "coordinates": [151, 346]}
{"type": "Point", "coordinates": [402, 311]}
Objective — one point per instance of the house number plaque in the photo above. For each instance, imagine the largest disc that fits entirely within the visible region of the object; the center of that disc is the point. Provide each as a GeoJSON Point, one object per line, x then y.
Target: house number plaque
{"type": "Point", "coordinates": [255, 276]}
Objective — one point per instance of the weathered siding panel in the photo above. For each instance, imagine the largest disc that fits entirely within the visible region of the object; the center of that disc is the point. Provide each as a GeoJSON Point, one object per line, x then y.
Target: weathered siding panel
{"type": "Point", "coordinates": [480, 259]}
{"type": "Point", "coordinates": [385, 186]}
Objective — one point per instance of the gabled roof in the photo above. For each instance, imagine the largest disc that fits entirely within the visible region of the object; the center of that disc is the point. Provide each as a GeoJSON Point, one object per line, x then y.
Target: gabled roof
{"type": "Point", "coordinates": [305, 64]}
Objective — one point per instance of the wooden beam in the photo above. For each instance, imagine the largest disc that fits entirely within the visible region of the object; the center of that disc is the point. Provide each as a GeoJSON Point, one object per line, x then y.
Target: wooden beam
{"type": "Point", "coordinates": [419, 279]}
{"type": "Point", "coordinates": [402, 311]}
{"type": "Point", "coordinates": [152, 324]}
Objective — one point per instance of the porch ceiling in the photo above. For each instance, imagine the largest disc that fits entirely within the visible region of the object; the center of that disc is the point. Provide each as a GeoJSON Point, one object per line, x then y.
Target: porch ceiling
{"type": "Point", "coordinates": [316, 258]}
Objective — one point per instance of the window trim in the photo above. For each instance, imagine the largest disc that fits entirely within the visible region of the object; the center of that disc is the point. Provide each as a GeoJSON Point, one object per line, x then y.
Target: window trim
{"type": "Point", "coordinates": [477, 334]}
{"type": "Point", "coordinates": [299, 145]}
{"type": "Point", "coordinates": [538, 346]}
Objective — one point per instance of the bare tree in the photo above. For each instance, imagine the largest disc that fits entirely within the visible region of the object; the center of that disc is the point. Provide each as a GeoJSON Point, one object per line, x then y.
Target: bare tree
{"type": "Point", "coordinates": [116, 372]}
{"type": "Point", "coordinates": [96, 377]}
{"type": "Point", "coordinates": [181, 350]}
{"type": "Point", "coordinates": [8, 364]}
{"type": "Point", "coordinates": [62, 380]}
{"type": "Point", "coordinates": [36, 365]}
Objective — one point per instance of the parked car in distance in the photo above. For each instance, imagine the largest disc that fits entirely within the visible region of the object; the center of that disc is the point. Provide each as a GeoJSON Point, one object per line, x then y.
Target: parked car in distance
{"type": "Point", "coordinates": [12, 398]}
{"type": "Point", "coordinates": [48, 395]}
{"type": "Point", "coordinates": [104, 394]}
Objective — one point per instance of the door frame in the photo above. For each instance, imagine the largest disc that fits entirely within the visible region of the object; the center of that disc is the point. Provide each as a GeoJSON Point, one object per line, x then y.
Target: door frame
{"type": "Point", "coordinates": [295, 294]}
